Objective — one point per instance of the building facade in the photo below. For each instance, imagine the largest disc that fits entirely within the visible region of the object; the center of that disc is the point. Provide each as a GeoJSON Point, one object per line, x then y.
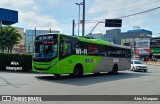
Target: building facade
{"type": "Point", "coordinates": [118, 37]}
{"type": "Point", "coordinates": [137, 39]}
{"type": "Point", "coordinates": [21, 47]}
{"type": "Point", "coordinates": [155, 47]}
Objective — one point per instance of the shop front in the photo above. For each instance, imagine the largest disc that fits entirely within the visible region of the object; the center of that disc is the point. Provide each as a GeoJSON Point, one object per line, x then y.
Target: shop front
{"type": "Point", "coordinates": [155, 48]}
{"type": "Point", "coordinates": [142, 50]}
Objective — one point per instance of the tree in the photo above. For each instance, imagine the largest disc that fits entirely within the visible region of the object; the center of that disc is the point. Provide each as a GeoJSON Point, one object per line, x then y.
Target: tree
{"type": "Point", "coordinates": [9, 37]}
{"type": "Point", "coordinates": [2, 40]}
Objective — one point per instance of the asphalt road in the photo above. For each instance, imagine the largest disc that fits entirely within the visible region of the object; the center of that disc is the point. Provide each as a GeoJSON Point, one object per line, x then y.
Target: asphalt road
{"type": "Point", "coordinates": [124, 83]}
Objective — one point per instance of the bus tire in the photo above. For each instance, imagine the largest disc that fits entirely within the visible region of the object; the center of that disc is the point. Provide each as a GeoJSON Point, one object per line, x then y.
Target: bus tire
{"type": "Point", "coordinates": [57, 75]}
{"type": "Point", "coordinates": [71, 75]}
{"type": "Point", "coordinates": [114, 70]}
{"type": "Point", "coordinates": [78, 71]}
{"type": "Point", "coordinates": [97, 73]}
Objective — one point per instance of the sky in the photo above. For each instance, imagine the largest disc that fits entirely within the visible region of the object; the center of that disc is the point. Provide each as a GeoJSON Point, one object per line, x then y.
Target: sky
{"type": "Point", "coordinates": [58, 14]}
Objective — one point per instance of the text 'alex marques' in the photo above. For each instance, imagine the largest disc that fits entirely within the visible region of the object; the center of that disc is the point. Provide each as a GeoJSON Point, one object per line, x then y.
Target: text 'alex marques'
{"type": "Point", "coordinates": [13, 63]}
{"type": "Point", "coordinates": [145, 98]}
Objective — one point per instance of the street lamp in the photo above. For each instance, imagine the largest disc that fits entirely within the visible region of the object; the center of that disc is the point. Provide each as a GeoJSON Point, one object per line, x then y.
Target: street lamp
{"type": "Point", "coordinates": [79, 4]}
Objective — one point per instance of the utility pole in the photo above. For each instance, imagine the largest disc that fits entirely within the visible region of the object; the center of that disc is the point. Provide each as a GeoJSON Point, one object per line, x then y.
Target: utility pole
{"type": "Point", "coordinates": [78, 19]}
{"type": "Point", "coordinates": [50, 30]}
{"type": "Point", "coordinates": [73, 27]}
{"type": "Point", "coordinates": [134, 44]}
{"type": "Point", "coordinates": [83, 22]}
{"type": "Point", "coordinates": [35, 32]}
{"type": "Point", "coordinates": [79, 4]}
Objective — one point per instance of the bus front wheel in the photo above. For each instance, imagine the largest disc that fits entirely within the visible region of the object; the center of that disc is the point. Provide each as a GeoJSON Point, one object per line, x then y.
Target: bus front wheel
{"type": "Point", "coordinates": [78, 71]}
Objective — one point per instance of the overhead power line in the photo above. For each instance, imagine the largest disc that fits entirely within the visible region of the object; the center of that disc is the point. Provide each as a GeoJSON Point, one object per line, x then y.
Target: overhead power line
{"type": "Point", "coordinates": [128, 7]}
{"type": "Point", "coordinates": [140, 12]}
{"type": "Point", "coordinates": [103, 20]}
{"type": "Point", "coordinates": [96, 21]}
{"type": "Point", "coordinates": [66, 17]}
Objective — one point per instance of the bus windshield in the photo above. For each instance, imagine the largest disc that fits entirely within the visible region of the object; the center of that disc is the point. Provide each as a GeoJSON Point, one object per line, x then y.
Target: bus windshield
{"type": "Point", "coordinates": [45, 49]}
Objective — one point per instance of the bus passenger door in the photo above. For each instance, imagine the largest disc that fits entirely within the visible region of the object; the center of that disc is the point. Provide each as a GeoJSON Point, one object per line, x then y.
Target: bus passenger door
{"type": "Point", "coordinates": [65, 52]}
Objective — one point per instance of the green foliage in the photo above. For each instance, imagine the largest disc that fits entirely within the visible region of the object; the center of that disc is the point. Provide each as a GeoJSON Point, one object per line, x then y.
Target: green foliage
{"type": "Point", "coordinates": [25, 61]}
{"type": "Point", "coordinates": [9, 36]}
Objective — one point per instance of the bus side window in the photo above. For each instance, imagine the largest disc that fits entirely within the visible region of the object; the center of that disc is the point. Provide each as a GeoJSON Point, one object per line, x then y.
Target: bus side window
{"type": "Point", "coordinates": [69, 45]}
{"type": "Point", "coordinates": [125, 53]}
{"type": "Point", "coordinates": [102, 50]}
{"type": "Point", "coordinates": [129, 53]}
{"type": "Point", "coordinates": [119, 52]}
{"type": "Point", "coordinates": [93, 49]}
{"type": "Point", "coordinates": [82, 45]}
{"type": "Point", "coordinates": [111, 51]}
{"type": "Point", "coordinates": [65, 49]}
{"type": "Point", "coordinates": [90, 49]}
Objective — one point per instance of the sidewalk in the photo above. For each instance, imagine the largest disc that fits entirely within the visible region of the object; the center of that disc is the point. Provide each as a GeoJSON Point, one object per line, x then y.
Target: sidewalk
{"type": "Point", "coordinates": [153, 63]}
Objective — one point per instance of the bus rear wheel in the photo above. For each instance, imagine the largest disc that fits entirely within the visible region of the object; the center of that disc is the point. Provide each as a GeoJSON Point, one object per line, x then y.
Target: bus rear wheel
{"type": "Point", "coordinates": [78, 71]}
{"type": "Point", "coordinates": [114, 70]}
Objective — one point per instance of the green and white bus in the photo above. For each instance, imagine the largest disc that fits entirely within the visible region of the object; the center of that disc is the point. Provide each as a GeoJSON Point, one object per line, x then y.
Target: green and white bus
{"type": "Point", "coordinates": [62, 54]}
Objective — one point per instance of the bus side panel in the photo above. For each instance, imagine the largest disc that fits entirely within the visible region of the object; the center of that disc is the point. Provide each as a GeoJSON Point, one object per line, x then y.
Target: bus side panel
{"type": "Point", "coordinates": [124, 64]}
{"type": "Point", "coordinates": [54, 70]}
{"type": "Point", "coordinates": [66, 65]}
{"type": "Point", "coordinates": [106, 64]}
{"type": "Point", "coordinates": [88, 63]}
{"type": "Point", "coordinates": [80, 59]}
{"type": "Point", "coordinates": [91, 63]}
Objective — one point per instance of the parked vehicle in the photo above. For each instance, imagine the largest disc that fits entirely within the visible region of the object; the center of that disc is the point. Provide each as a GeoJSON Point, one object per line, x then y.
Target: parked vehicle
{"type": "Point", "coordinates": [137, 65]}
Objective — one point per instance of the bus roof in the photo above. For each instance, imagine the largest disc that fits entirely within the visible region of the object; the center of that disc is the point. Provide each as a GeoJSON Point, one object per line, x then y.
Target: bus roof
{"type": "Point", "coordinates": [102, 42]}
{"type": "Point", "coordinates": [46, 34]}
{"type": "Point", "coordinates": [96, 41]}
{"type": "Point", "coordinates": [120, 46]}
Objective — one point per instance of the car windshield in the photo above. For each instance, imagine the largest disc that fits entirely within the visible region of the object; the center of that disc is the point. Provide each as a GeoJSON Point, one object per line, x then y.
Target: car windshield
{"type": "Point", "coordinates": [45, 49]}
{"type": "Point", "coordinates": [138, 62]}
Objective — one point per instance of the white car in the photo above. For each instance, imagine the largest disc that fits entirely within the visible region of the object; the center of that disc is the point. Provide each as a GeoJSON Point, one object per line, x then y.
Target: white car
{"type": "Point", "coordinates": [137, 65]}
